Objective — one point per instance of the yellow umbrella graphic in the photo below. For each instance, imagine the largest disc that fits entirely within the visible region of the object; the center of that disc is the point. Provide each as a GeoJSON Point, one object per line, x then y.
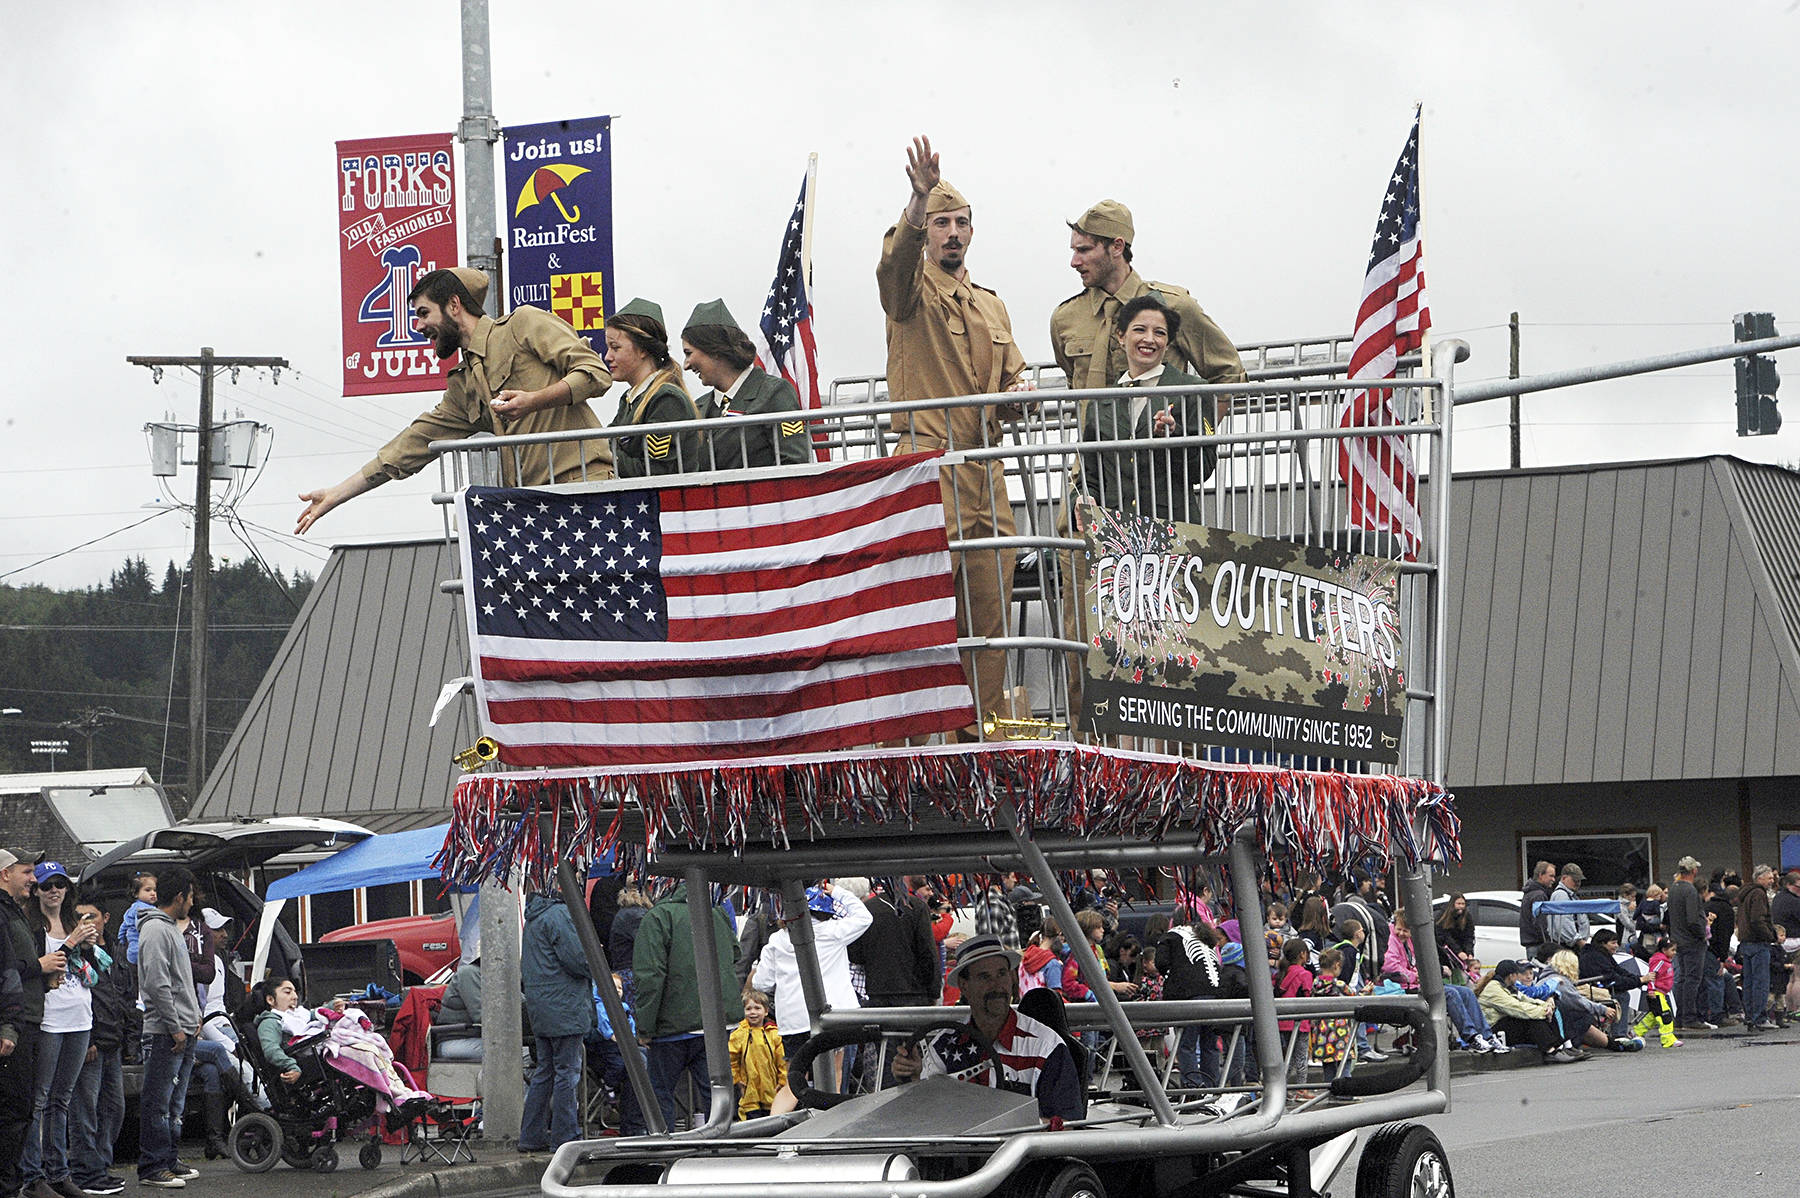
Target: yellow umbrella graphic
{"type": "Point", "coordinates": [545, 182]}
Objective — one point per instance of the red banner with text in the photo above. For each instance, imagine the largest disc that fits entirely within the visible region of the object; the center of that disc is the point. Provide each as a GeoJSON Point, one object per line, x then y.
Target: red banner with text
{"type": "Point", "coordinates": [396, 221]}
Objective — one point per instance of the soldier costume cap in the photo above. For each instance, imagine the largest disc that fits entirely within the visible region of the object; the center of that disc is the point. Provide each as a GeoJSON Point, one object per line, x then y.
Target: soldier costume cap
{"type": "Point", "coordinates": [945, 198]}
{"type": "Point", "coordinates": [1106, 220]}
{"type": "Point", "coordinates": [712, 312]}
{"type": "Point", "coordinates": [475, 282]}
{"type": "Point", "coordinates": [643, 309]}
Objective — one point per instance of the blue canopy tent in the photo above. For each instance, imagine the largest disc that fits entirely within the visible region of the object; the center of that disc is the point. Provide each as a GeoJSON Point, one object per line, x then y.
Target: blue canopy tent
{"type": "Point", "coordinates": [377, 861]}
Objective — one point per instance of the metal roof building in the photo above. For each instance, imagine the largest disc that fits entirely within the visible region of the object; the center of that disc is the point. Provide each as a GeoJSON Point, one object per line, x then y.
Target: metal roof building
{"type": "Point", "coordinates": [1624, 640]}
{"type": "Point", "coordinates": [339, 725]}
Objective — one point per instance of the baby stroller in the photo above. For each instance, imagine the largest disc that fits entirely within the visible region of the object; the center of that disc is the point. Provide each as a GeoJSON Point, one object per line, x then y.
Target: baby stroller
{"type": "Point", "coordinates": [310, 1117]}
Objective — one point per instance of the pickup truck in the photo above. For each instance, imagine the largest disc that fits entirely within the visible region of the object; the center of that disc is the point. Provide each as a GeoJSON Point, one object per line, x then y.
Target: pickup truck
{"type": "Point", "coordinates": [427, 943]}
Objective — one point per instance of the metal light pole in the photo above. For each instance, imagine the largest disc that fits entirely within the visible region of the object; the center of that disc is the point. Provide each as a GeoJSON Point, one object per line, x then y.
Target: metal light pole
{"type": "Point", "coordinates": [51, 749]}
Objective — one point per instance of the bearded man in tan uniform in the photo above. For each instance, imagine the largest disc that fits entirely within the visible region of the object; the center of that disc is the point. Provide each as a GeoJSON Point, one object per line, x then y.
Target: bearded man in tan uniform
{"type": "Point", "coordinates": [946, 337]}
{"type": "Point", "coordinates": [526, 372]}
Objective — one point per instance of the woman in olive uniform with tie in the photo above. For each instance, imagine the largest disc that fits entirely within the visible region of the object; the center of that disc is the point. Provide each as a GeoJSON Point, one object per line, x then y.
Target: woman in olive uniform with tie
{"type": "Point", "coordinates": [637, 353]}
{"type": "Point", "coordinates": [716, 349]}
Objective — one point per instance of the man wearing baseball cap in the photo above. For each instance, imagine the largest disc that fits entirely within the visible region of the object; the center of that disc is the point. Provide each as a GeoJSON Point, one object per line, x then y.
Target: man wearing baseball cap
{"type": "Point", "coordinates": [22, 973]}
{"type": "Point", "coordinates": [1568, 931]}
{"type": "Point", "coordinates": [1081, 328]}
{"type": "Point", "coordinates": [999, 1047]}
{"type": "Point", "coordinates": [525, 372]}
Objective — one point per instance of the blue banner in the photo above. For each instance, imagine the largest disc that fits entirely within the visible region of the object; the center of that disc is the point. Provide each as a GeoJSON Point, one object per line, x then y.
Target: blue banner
{"type": "Point", "coordinates": [559, 250]}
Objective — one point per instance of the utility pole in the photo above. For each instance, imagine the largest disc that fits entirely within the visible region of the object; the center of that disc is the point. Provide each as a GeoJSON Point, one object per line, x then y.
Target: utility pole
{"type": "Point", "coordinates": [207, 365]}
{"type": "Point", "coordinates": [1513, 373]}
{"type": "Point", "coordinates": [502, 1088]}
{"type": "Point", "coordinates": [90, 721]}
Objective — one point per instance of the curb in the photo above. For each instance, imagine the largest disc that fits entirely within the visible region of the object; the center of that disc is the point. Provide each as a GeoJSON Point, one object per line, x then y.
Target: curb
{"type": "Point", "coordinates": [458, 1180]}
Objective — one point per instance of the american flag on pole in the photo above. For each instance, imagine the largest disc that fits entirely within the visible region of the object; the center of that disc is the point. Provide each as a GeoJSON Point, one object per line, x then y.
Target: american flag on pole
{"type": "Point", "coordinates": [783, 333]}
{"type": "Point", "coordinates": [615, 624]}
{"type": "Point", "coordinates": [1379, 471]}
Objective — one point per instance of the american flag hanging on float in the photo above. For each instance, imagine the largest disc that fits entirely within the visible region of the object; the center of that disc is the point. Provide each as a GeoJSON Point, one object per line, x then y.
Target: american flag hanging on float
{"type": "Point", "coordinates": [783, 332]}
{"type": "Point", "coordinates": [1379, 471]}
{"type": "Point", "coordinates": [620, 624]}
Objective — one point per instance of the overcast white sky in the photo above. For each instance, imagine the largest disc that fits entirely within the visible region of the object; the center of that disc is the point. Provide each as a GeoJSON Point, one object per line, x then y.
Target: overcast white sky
{"type": "Point", "coordinates": [1620, 174]}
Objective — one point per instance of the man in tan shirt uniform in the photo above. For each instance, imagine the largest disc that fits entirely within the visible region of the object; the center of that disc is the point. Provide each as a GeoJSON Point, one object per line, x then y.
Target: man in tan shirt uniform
{"type": "Point", "coordinates": [1081, 332]}
{"type": "Point", "coordinates": [948, 336]}
{"type": "Point", "coordinates": [527, 372]}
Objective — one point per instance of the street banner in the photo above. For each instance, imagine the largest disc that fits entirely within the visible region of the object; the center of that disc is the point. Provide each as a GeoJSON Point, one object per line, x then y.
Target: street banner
{"type": "Point", "coordinates": [396, 221]}
{"type": "Point", "coordinates": [559, 250]}
{"type": "Point", "coordinates": [1211, 637]}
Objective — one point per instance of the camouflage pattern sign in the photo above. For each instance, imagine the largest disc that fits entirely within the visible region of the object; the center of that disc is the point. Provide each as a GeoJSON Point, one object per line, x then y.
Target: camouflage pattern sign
{"type": "Point", "coordinates": [1211, 637]}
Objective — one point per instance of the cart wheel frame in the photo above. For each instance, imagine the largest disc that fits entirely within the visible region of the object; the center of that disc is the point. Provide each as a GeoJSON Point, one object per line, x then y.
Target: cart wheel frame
{"type": "Point", "coordinates": [325, 1159]}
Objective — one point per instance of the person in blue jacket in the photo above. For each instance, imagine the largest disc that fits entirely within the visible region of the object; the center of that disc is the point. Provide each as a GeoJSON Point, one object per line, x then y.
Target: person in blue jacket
{"type": "Point", "coordinates": [559, 1001]}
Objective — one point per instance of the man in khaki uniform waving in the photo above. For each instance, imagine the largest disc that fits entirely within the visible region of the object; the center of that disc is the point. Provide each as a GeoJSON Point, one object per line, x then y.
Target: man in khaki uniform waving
{"type": "Point", "coordinates": [527, 372]}
{"type": "Point", "coordinates": [1081, 332]}
{"type": "Point", "coordinates": [948, 336]}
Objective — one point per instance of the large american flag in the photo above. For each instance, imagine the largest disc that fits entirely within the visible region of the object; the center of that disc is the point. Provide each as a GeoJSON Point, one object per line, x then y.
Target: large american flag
{"type": "Point", "coordinates": [1379, 471]}
{"type": "Point", "coordinates": [615, 624]}
{"type": "Point", "coordinates": [783, 334]}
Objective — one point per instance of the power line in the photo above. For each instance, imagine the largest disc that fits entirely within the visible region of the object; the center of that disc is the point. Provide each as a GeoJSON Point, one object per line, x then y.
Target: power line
{"type": "Point", "coordinates": [32, 690]}
{"type": "Point", "coordinates": [236, 525]}
{"type": "Point", "coordinates": [137, 628]}
{"type": "Point", "coordinates": [78, 548]}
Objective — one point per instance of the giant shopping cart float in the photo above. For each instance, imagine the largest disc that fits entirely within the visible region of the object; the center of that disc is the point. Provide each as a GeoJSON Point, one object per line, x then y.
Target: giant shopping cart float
{"type": "Point", "coordinates": [1129, 789]}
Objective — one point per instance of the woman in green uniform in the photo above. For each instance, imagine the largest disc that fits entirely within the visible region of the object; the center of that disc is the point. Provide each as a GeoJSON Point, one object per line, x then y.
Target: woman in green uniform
{"type": "Point", "coordinates": [716, 349]}
{"type": "Point", "coordinates": [637, 353]}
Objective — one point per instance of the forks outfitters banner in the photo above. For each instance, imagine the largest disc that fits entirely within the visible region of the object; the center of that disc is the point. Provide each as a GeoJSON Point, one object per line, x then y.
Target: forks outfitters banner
{"type": "Point", "coordinates": [396, 221]}
{"type": "Point", "coordinates": [559, 248]}
{"type": "Point", "coordinates": [1211, 637]}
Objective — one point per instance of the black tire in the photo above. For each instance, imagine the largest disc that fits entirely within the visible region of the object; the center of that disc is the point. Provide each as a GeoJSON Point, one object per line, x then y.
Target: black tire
{"type": "Point", "coordinates": [1404, 1160]}
{"type": "Point", "coordinates": [369, 1155]}
{"type": "Point", "coordinates": [325, 1160]}
{"type": "Point", "coordinates": [1058, 1179]}
{"type": "Point", "coordinates": [296, 1158]}
{"type": "Point", "coordinates": [255, 1142]}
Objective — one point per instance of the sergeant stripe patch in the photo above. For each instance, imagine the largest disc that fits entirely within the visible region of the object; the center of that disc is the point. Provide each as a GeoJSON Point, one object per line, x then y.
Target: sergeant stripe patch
{"type": "Point", "coordinates": [792, 428]}
{"type": "Point", "coordinates": [658, 447]}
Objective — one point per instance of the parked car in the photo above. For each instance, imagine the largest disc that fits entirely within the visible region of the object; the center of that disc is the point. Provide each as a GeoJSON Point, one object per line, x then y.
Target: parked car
{"type": "Point", "coordinates": [220, 856]}
{"type": "Point", "coordinates": [427, 943]}
{"type": "Point", "coordinates": [1496, 915]}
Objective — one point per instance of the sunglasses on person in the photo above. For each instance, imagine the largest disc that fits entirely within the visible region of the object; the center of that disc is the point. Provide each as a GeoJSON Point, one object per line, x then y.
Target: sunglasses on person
{"type": "Point", "coordinates": [54, 883]}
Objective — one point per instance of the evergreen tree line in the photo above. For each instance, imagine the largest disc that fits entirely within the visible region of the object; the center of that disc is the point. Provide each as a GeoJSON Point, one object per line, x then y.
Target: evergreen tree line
{"type": "Point", "coordinates": [69, 655]}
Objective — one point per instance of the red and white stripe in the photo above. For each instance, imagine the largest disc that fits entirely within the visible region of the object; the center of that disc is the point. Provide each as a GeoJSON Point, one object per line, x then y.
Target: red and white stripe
{"type": "Point", "coordinates": [1392, 318]}
{"type": "Point", "coordinates": [806, 613]}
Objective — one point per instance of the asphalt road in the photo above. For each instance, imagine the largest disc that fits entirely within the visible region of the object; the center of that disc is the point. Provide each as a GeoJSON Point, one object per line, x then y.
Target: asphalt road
{"type": "Point", "coordinates": [1721, 1114]}
{"type": "Point", "coordinates": [1718, 1115]}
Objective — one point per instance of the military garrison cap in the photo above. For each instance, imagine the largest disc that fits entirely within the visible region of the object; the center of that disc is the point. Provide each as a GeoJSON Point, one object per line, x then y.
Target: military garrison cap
{"type": "Point", "coordinates": [945, 198]}
{"type": "Point", "coordinates": [1106, 220]}
{"type": "Point", "coordinates": [475, 282]}
{"type": "Point", "coordinates": [645, 309]}
{"type": "Point", "coordinates": [712, 312]}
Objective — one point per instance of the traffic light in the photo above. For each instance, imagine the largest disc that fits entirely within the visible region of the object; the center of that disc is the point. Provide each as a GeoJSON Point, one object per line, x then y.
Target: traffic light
{"type": "Point", "coordinates": [1757, 379]}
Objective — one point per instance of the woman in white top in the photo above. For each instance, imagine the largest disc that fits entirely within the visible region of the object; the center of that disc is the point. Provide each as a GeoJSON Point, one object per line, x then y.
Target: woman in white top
{"type": "Point", "coordinates": [68, 1020]}
{"type": "Point", "coordinates": [838, 919]}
